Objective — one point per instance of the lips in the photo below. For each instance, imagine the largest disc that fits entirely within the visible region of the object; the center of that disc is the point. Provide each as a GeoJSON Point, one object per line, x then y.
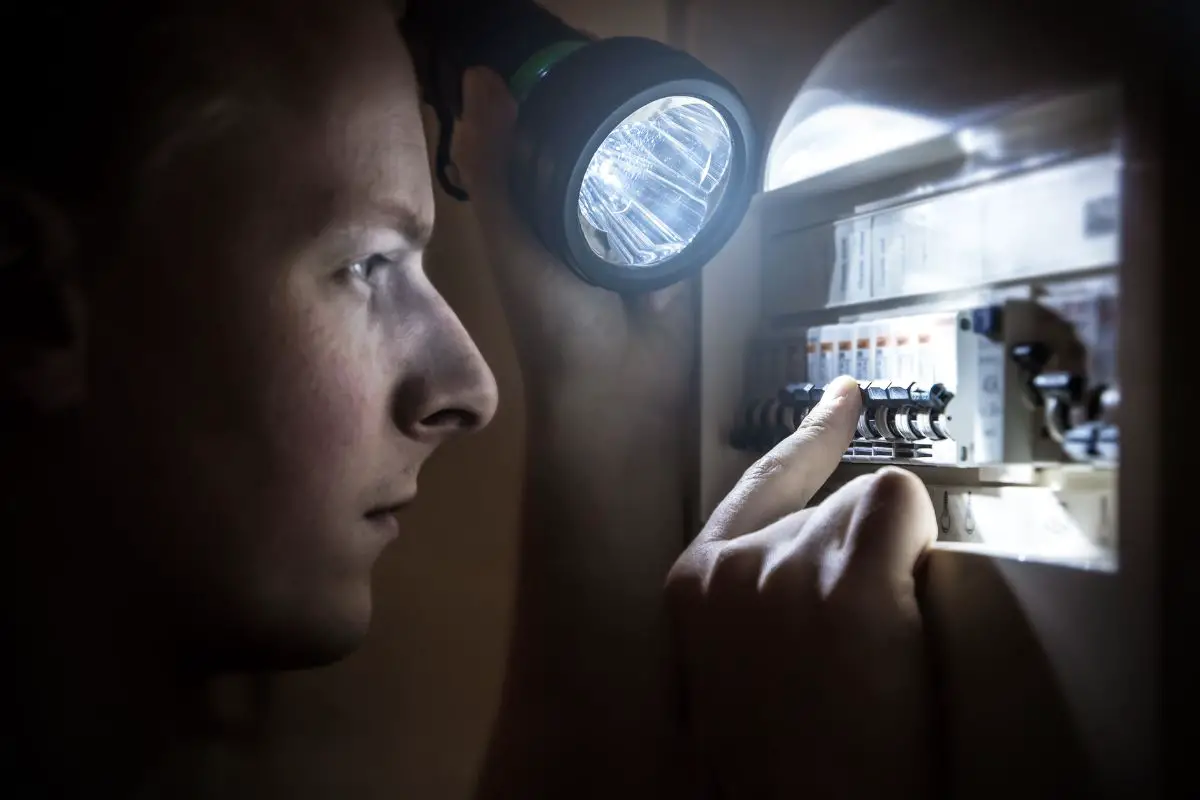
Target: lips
{"type": "Point", "coordinates": [384, 516]}
{"type": "Point", "coordinates": [389, 510]}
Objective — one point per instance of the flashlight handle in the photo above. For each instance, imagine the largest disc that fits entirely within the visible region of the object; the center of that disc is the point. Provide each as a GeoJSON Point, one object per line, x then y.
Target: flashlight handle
{"type": "Point", "coordinates": [448, 38]}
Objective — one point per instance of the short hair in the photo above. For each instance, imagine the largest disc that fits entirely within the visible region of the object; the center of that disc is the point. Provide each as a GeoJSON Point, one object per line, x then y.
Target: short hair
{"type": "Point", "coordinates": [94, 89]}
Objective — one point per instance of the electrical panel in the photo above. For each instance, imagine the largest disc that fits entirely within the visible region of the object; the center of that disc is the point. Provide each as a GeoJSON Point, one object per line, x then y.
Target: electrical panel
{"type": "Point", "coordinates": [970, 284]}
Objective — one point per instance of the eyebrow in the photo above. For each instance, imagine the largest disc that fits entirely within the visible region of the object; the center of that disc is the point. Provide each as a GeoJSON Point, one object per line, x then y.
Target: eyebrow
{"type": "Point", "coordinates": [414, 227]}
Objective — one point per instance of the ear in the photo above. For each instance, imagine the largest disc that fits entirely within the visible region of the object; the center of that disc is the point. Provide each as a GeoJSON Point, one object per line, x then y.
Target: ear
{"type": "Point", "coordinates": [42, 311]}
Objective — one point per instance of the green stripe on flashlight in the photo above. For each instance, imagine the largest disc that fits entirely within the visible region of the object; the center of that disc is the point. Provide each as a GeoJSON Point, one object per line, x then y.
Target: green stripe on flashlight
{"type": "Point", "coordinates": [537, 65]}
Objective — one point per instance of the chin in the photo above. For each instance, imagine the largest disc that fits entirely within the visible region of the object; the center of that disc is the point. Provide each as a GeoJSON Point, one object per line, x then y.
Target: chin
{"type": "Point", "coordinates": [322, 648]}
{"type": "Point", "coordinates": [333, 631]}
{"type": "Point", "coordinates": [316, 633]}
{"type": "Point", "coordinates": [317, 653]}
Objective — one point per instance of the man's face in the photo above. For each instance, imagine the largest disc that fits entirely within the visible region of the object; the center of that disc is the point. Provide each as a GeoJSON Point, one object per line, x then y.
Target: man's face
{"type": "Point", "coordinates": [269, 366]}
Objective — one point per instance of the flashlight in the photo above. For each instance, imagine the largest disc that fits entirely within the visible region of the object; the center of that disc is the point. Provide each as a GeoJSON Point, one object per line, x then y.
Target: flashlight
{"type": "Point", "coordinates": [632, 162]}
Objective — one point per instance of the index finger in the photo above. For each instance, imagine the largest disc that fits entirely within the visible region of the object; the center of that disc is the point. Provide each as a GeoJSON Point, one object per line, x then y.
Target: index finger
{"type": "Point", "coordinates": [785, 479]}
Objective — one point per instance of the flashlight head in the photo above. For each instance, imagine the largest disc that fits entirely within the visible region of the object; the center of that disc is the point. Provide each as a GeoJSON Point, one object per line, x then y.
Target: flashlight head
{"type": "Point", "coordinates": [633, 163]}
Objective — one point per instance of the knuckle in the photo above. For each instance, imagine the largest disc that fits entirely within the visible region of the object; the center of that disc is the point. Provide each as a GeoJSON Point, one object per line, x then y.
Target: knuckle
{"type": "Point", "coordinates": [900, 483]}
{"type": "Point", "coordinates": [764, 469]}
{"type": "Point", "coordinates": [886, 491]}
{"type": "Point", "coordinates": [784, 579]}
{"type": "Point", "coordinates": [891, 491]}
{"type": "Point", "coordinates": [727, 567]}
{"type": "Point", "coordinates": [815, 421]}
{"type": "Point", "coordinates": [688, 568]}
{"type": "Point", "coordinates": [684, 587]}
{"type": "Point", "coordinates": [709, 576]}
{"type": "Point", "coordinates": [892, 522]}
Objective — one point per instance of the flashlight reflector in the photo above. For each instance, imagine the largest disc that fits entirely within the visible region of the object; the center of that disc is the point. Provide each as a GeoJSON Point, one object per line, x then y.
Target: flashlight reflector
{"type": "Point", "coordinates": [655, 182]}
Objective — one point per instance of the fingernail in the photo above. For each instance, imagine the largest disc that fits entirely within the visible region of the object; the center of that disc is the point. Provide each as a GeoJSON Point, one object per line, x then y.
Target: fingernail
{"type": "Point", "coordinates": [838, 390]}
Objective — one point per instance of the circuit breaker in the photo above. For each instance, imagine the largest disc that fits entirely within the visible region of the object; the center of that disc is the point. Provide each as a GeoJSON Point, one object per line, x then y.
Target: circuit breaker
{"type": "Point", "coordinates": [1018, 375]}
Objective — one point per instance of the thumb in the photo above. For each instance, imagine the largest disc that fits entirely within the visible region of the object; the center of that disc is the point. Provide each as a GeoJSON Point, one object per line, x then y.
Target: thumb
{"type": "Point", "coordinates": [895, 523]}
{"type": "Point", "coordinates": [784, 480]}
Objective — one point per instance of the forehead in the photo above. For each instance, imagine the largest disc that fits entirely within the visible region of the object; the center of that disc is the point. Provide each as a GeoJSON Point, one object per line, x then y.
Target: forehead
{"type": "Point", "coordinates": [369, 147]}
{"type": "Point", "coordinates": [369, 157]}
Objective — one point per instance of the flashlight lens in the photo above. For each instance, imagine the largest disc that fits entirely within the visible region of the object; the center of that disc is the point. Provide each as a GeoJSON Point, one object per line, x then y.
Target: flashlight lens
{"type": "Point", "coordinates": [655, 182]}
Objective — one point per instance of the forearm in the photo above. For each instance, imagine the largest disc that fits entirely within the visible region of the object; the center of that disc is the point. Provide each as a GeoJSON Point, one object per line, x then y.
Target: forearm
{"type": "Point", "coordinates": [589, 707]}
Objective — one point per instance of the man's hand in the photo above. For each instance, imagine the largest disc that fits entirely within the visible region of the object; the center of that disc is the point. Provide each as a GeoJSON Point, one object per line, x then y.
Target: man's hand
{"type": "Point", "coordinates": [801, 636]}
{"type": "Point", "coordinates": [567, 333]}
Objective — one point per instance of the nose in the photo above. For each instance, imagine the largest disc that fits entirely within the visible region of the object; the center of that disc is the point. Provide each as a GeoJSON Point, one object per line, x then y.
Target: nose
{"type": "Point", "coordinates": [450, 390]}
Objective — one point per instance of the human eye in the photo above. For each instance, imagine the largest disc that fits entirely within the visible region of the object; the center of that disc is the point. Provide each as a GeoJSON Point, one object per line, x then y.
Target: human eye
{"type": "Point", "coordinates": [371, 269]}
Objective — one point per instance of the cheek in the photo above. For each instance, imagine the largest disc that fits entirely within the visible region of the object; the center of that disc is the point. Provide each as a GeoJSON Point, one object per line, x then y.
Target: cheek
{"type": "Point", "coordinates": [326, 400]}
{"type": "Point", "coordinates": [266, 404]}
